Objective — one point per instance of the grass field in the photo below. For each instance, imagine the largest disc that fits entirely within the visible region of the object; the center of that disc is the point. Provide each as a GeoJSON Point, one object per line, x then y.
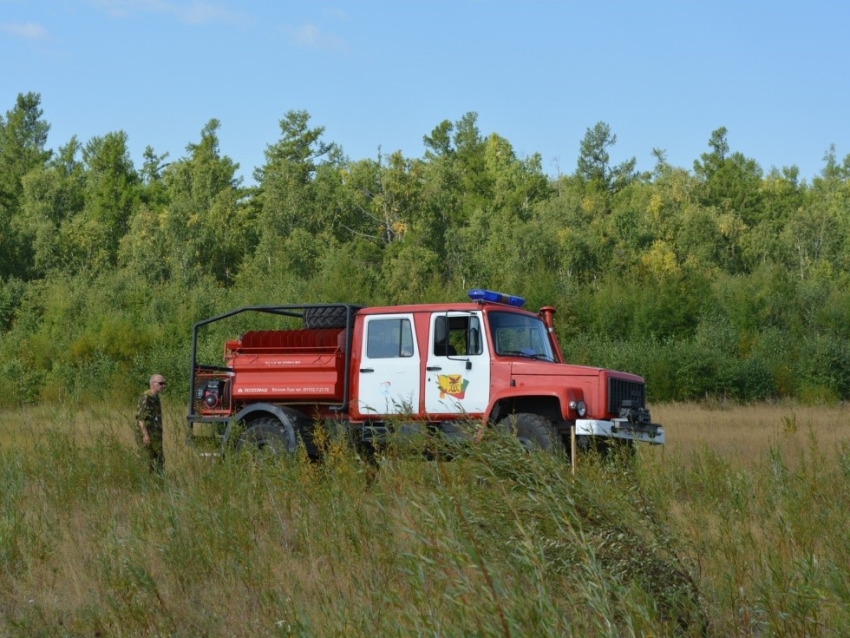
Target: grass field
{"type": "Point", "coordinates": [737, 527]}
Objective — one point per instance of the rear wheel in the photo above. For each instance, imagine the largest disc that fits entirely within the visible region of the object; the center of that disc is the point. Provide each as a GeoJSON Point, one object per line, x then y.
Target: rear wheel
{"type": "Point", "coordinates": [533, 431]}
{"type": "Point", "coordinates": [268, 437]}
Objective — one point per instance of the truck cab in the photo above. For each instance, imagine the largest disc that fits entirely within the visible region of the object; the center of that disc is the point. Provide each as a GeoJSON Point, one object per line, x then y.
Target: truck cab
{"type": "Point", "coordinates": [488, 361]}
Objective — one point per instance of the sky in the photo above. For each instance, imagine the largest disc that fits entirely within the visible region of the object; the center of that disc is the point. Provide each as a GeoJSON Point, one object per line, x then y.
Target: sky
{"type": "Point", "coordinates": [379, 75]}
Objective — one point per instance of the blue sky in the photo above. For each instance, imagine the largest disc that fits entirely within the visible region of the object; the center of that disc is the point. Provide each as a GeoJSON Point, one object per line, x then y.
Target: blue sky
{"type": "Point", "coordinates": [382, 74]}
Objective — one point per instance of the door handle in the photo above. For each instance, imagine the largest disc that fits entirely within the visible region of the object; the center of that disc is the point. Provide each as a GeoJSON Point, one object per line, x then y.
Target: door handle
{"type": "Point", "coordinates": [367, 370]}
{"type": "Point", "coordinates": [430, 368]}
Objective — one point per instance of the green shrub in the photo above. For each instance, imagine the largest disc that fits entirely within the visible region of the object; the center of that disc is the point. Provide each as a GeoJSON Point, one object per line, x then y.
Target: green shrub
{"type": "Point", "coordinates": [825, 368]}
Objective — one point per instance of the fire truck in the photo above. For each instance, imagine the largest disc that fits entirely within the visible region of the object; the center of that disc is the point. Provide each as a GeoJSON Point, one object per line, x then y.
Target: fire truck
{"type": "Point", "coordinates": [431, 368]}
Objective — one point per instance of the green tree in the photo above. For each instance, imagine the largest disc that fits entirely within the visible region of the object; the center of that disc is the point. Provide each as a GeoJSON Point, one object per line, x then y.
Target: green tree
{"type": "Point", "coordinates": [459, 183]}
{"type": "Point", "coordinates": [112, 193]}
{"type": "Point", "coordinates": [387, 197]}
{"type": "Point", "coordinates": [713, 161]}
{"type": "Point", "coordinates": [209, 229]}
{"type": "Point", "coordinates": [439, 144]}
{"type": "Point", "coordinates": [782, 197]}
{"type": "Point", "coordinates": [153, 192]}
{"type": "Point", "coordinates": [53, 197]}
{"type": "Point", "coordinates": [818, 232]}
{"type": "Point", "coordinates": [442, 194]}
{"type": "Point", "coordinates": [517, 184]}
{"type": "Point", "coordinates": [297, 150]}
{"type": "Point", "coordinates": [582, 249]}
{"type": "Point", "coordinates": [23, 136]}
{"type": "Point", "coordinates": [408, 272]}
{"type": "Point", "coordinates": [730, 182]}
{"type": "Point", "coordinates": [594, 161]}
{"type": "Point", "coordinates": [475, 188]}
{"type": "Point", "coordinates": [145, 250]}
{"type": "Point", "coordinates": [287, 196]}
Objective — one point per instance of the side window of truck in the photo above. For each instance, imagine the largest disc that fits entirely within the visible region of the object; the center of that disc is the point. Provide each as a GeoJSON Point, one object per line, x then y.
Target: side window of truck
{"type": "Point", "coordinates": [457, 336]}
{"type": "Point", "coordinates": [389, 338]}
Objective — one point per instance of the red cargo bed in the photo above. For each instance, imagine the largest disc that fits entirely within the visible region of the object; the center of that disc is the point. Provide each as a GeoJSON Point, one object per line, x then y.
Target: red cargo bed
{"type": "Point", "coordinates": [302, 365]}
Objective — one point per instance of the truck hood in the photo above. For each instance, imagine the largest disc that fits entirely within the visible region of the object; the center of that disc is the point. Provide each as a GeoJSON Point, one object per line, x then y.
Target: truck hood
{"type": "Point", "coordinates": [602, 390]}
{"type": "Point", "coordinates": [530, 367]}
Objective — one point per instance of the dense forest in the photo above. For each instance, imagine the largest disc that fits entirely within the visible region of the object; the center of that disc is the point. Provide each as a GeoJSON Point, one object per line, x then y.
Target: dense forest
{"type": "Point", "coordinates": [715, 281]}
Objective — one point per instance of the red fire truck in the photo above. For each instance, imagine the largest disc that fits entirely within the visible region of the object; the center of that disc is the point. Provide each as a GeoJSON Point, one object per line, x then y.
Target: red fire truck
{"type": "Point", "coordinates": [431, 367]}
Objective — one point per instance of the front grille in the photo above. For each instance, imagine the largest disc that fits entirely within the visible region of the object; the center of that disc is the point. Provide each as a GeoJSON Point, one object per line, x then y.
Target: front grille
{"type": "Point", "coordinates": [620, 390]}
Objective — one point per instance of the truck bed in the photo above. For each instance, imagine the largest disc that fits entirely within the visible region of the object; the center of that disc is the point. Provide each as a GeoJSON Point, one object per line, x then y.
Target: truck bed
{"type": "Point", "coordinates": [296, 365]}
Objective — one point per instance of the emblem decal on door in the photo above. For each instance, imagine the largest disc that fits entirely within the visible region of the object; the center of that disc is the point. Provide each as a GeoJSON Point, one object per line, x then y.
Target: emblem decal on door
{"type": "Point", "coordinates": [452, 384]}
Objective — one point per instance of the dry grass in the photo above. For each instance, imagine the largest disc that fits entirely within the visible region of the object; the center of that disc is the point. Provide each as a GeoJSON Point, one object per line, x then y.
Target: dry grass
{"type": "Point", "coordinates": [748, 504]}
{"type": "Point", "coordinates": [745, 434]}
{"type": "Point", "coordinates": [86, 424]}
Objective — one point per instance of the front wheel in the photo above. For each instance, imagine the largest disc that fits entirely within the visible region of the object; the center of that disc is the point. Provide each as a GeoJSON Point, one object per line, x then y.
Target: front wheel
{"type": "Point", "coordinates": [533, 431]}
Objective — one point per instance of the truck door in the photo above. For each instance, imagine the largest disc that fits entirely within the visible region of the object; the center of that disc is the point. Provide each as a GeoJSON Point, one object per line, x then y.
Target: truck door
{"type": "Point", "coordinates": [389, 370]}
{"type": "Point", "coordinates": [457, 365]}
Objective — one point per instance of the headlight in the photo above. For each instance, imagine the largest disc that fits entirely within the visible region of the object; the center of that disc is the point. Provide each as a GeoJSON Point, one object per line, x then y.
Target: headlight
{"type": "Point", "coordinates": [580, 407]}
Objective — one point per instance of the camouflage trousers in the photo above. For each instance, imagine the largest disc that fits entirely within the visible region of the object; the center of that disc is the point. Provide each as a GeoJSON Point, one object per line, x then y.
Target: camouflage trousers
{"type": "Point", "coordinates": [153, 453]}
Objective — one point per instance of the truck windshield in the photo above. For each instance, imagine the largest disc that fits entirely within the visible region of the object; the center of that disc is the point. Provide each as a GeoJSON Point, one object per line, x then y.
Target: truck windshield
{"type": "Point", "coordinates": [519, 335]}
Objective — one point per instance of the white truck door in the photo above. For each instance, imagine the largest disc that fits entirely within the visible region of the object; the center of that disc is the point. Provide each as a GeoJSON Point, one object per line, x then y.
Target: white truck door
{"type": "Point", "coordinates": [389, 366]}
{"type": "Point", "coordinates": [457, 364]}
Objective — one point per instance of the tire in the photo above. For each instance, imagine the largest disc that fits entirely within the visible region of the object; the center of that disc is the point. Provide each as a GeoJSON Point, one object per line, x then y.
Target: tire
{"type": "Point", "coordinates": [305, 432]}
{"type": "Point", "coordinates": [269, 437]}
{"type": "Point", "coordinates": [534, 432]}
{"type": "Point", "coordinates": [327, 316]}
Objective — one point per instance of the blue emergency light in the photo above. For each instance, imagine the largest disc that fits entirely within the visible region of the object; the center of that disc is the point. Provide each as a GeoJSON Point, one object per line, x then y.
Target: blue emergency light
{"type": "Point", "coordinates": [478, 294]}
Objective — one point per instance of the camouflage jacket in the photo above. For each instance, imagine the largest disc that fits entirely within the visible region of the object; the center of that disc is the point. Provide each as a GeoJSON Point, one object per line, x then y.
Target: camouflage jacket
{"type": "Point", "coordinates": [150, 411]}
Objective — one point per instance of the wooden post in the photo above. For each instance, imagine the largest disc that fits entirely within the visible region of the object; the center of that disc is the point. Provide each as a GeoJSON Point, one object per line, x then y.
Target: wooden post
{"type": "Point", "coordinates": [573, 449]}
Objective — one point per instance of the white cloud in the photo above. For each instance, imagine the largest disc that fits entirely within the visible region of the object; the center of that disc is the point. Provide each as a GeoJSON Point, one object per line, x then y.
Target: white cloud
{"type": "Point", "coordinates": [28, 31]}
{"type": "Point", "coordinates": [311, 37]}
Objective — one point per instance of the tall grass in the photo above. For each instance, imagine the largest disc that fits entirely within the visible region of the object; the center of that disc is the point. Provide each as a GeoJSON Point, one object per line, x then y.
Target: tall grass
{"type": "Point", "coordinates": [682, 540]}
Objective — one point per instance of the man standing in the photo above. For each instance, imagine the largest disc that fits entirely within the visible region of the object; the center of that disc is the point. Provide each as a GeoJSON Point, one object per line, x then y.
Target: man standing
{"type": "Point", "coordinates": [149, 424]}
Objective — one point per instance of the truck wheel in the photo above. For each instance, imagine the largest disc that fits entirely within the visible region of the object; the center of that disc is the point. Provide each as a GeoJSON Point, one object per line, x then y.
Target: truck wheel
{"type": "Point", "coordinates": [326, 316]}
{"type": "Point", "coordinates": [269, 437]}
{"type": "Point", "coordinates": [533, 431]}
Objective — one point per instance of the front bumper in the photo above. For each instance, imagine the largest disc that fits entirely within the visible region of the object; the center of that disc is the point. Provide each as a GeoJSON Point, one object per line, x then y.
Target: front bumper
{"type": "Point", "coordinates": [651, 433]}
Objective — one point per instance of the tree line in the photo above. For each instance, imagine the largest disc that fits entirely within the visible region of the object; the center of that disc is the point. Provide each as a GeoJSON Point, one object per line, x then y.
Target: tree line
{"type": "Point", "coordinates": [719, 280]}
